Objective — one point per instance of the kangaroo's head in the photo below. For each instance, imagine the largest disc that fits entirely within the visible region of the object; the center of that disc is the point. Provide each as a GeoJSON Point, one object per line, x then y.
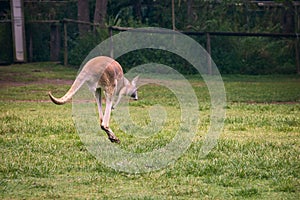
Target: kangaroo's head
{"type": "Point", "coordinates": [128, 89]}
{"type": "Point", "coordinates": [131, 89]}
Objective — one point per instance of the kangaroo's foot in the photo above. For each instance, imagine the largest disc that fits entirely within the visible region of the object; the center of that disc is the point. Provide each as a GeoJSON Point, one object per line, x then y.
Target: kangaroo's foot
{"type": "Point", "coordinates": [111, 135]}
{"type": "Point", "coordinates": [114, 139]}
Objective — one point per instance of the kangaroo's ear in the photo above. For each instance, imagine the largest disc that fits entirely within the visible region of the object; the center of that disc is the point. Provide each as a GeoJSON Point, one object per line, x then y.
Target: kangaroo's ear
{"type": "Point", "coordinates": [135, 80]}
{"type": "Point", "coordinates": [126, 82]}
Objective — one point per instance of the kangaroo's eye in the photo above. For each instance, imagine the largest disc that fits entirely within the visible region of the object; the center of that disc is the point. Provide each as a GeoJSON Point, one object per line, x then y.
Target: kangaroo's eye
{"type": "Point", "coordinates": [133, 94]}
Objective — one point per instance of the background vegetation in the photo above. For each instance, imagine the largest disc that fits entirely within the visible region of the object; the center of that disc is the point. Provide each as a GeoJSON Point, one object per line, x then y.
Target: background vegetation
{"type": "Point", "coordinates": [242, 55]}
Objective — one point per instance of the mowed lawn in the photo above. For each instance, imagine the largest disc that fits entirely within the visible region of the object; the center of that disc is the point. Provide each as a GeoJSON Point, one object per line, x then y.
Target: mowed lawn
{"type": "Point", "coordinates": [257, 155]}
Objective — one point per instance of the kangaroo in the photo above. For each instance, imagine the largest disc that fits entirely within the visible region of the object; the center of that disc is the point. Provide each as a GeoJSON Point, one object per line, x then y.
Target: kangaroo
{"type": "Point", "coordinates": [102, 73]}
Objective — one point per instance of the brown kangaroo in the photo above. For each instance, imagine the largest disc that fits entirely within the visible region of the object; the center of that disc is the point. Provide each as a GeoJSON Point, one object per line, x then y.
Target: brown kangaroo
{"type": "Point", "coordinates": [102, 73]}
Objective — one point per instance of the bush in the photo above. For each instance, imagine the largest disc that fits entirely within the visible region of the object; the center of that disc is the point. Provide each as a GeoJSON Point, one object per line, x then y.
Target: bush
{"type": "Point", "coordinates": [144, 56]}
{"type": "Point", "coordinates": [232, 55]}
{"type": "Point", "coordinates": [225, 54]}
{"type": "Point", "coordinates": [82, 45]}
{"type": "Point", "coordinates": [6, 54]}
{"type": "Point", "coordinates": [253, 55]}
{"type": "Point", "coordinates": [40, 41]}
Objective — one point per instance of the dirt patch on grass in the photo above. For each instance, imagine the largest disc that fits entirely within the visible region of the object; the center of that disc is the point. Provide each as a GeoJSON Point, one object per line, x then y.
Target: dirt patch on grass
{"type": "Point", "coordinates": [10, 83]}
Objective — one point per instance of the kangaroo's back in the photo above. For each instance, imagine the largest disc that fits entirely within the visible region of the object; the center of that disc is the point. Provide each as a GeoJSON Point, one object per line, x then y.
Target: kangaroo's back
{"type": "Point", "coordinates": [98, 72]}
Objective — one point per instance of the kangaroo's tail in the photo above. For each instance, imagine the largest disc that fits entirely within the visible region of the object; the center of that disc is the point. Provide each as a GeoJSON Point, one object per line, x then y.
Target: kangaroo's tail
{"type": "Point", "coordinates": [79, 81]}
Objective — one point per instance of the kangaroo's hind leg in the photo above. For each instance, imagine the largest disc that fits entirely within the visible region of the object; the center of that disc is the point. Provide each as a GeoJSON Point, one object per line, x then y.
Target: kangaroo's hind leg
{"type": "Point", "coordinates": [106, 118]}
{"type": "Point", "coordinates": [99, 104]}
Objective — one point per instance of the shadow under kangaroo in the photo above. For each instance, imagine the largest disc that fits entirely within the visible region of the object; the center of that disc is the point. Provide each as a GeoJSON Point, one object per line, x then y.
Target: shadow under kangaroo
{"type": "Point", "coordinates": [102, 73]}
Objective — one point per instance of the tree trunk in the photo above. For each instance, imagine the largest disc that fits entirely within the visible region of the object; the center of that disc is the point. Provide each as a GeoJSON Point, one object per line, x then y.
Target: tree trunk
{"type": "Point", "coordinates": [173, 15]}
{"type": "Point", "coordinates": [190, 11]}
{"type": "Point", "coordinates": [100, 12]}
{"type": "Point", "coordinates": [288, 23]}
{"type": "Point", "coordinates": [83, 14]}
{"type": "Point", "coordinates": [137, 7]}
{"type": "Point", "coordinates": [54, 42]}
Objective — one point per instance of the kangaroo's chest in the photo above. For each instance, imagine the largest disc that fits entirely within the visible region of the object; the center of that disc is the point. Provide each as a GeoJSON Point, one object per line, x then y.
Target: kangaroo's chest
{"type": "Point", "coordinates": [111, 77]}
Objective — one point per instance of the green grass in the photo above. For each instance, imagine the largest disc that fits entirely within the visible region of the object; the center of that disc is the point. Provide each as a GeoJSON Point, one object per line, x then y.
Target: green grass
{"type": "Point", "coordinates": [23, 82]}
{"type": "Point", "coordinates": [257, 155]}
{"type": "Point", "coordinates": [262, 89]}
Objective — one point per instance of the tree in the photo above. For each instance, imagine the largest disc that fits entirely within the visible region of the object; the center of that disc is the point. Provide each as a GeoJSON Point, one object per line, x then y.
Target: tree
{"type": "Point", "coordinates": [288, 17]}
{"type": "Point", "coordinates": [190, 10]}
{"type": "Point", "coordinates": [83, 14]}
{"type": "Point", "coordinates": [100, 12]}
{"type": "Point", "coordinates": [137, 7]}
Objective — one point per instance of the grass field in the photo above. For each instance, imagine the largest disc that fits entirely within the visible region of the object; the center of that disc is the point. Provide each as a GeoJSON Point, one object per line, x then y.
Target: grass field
{"type": "Point", "coordinates": [257, 155]}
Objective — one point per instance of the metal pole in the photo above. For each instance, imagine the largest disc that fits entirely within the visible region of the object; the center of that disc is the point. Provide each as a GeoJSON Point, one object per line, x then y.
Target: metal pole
{"type": "Point", "coordinates": [18, 30]}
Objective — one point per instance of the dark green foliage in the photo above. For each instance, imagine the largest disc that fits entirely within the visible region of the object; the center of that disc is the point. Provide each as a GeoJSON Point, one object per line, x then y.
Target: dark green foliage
{"type": "Point", "coordinates": [225, 53]}
{"type": "Point", "coordinates": [6, 51]}
{"type": "Point", "coordinates": [232, 55]}
{"type": "Point", "coordinates": [81, 46]}
{"type": "Point", "coordinates": [40, 34]}
{"type": "Point", "coordinates": [144, 56]}
{"type": "Point", "coordinates": [253, 55]}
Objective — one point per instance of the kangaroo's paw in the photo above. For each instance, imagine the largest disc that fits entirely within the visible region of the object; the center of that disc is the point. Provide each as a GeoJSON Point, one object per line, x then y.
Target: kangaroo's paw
{"type": "Point", "coordinates": [111, 135]}
{"type": "Point", "coordinates": [114, 139]}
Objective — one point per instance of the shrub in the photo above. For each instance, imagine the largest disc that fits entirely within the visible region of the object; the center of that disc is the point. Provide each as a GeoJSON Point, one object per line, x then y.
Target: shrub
{"type": "Point", "coordinates": [6, 54]}
{"type": "Point", "coordinates": [82, 45]}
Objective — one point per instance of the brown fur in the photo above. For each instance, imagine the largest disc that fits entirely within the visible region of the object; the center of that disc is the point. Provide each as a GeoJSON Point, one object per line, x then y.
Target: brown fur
{"type": "Point", "coordinates": [102, 73]}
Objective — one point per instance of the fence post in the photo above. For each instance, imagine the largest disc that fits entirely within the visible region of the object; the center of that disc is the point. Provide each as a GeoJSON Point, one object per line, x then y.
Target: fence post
{"type": "Point", "coordinates": [65, 43]}
{"type": "Point", "coordinates": [18, 30]}
{"type": "Point", "coordinates": [208, 49]}
{"type": "Point", "coordinates": [111, 42]}
{"type": "Point", "coordinates": [54, 42]}
{"type": "Point", "coordinates": [30, 48]}
{"type": "Point", "coordinates": [297, 54]}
